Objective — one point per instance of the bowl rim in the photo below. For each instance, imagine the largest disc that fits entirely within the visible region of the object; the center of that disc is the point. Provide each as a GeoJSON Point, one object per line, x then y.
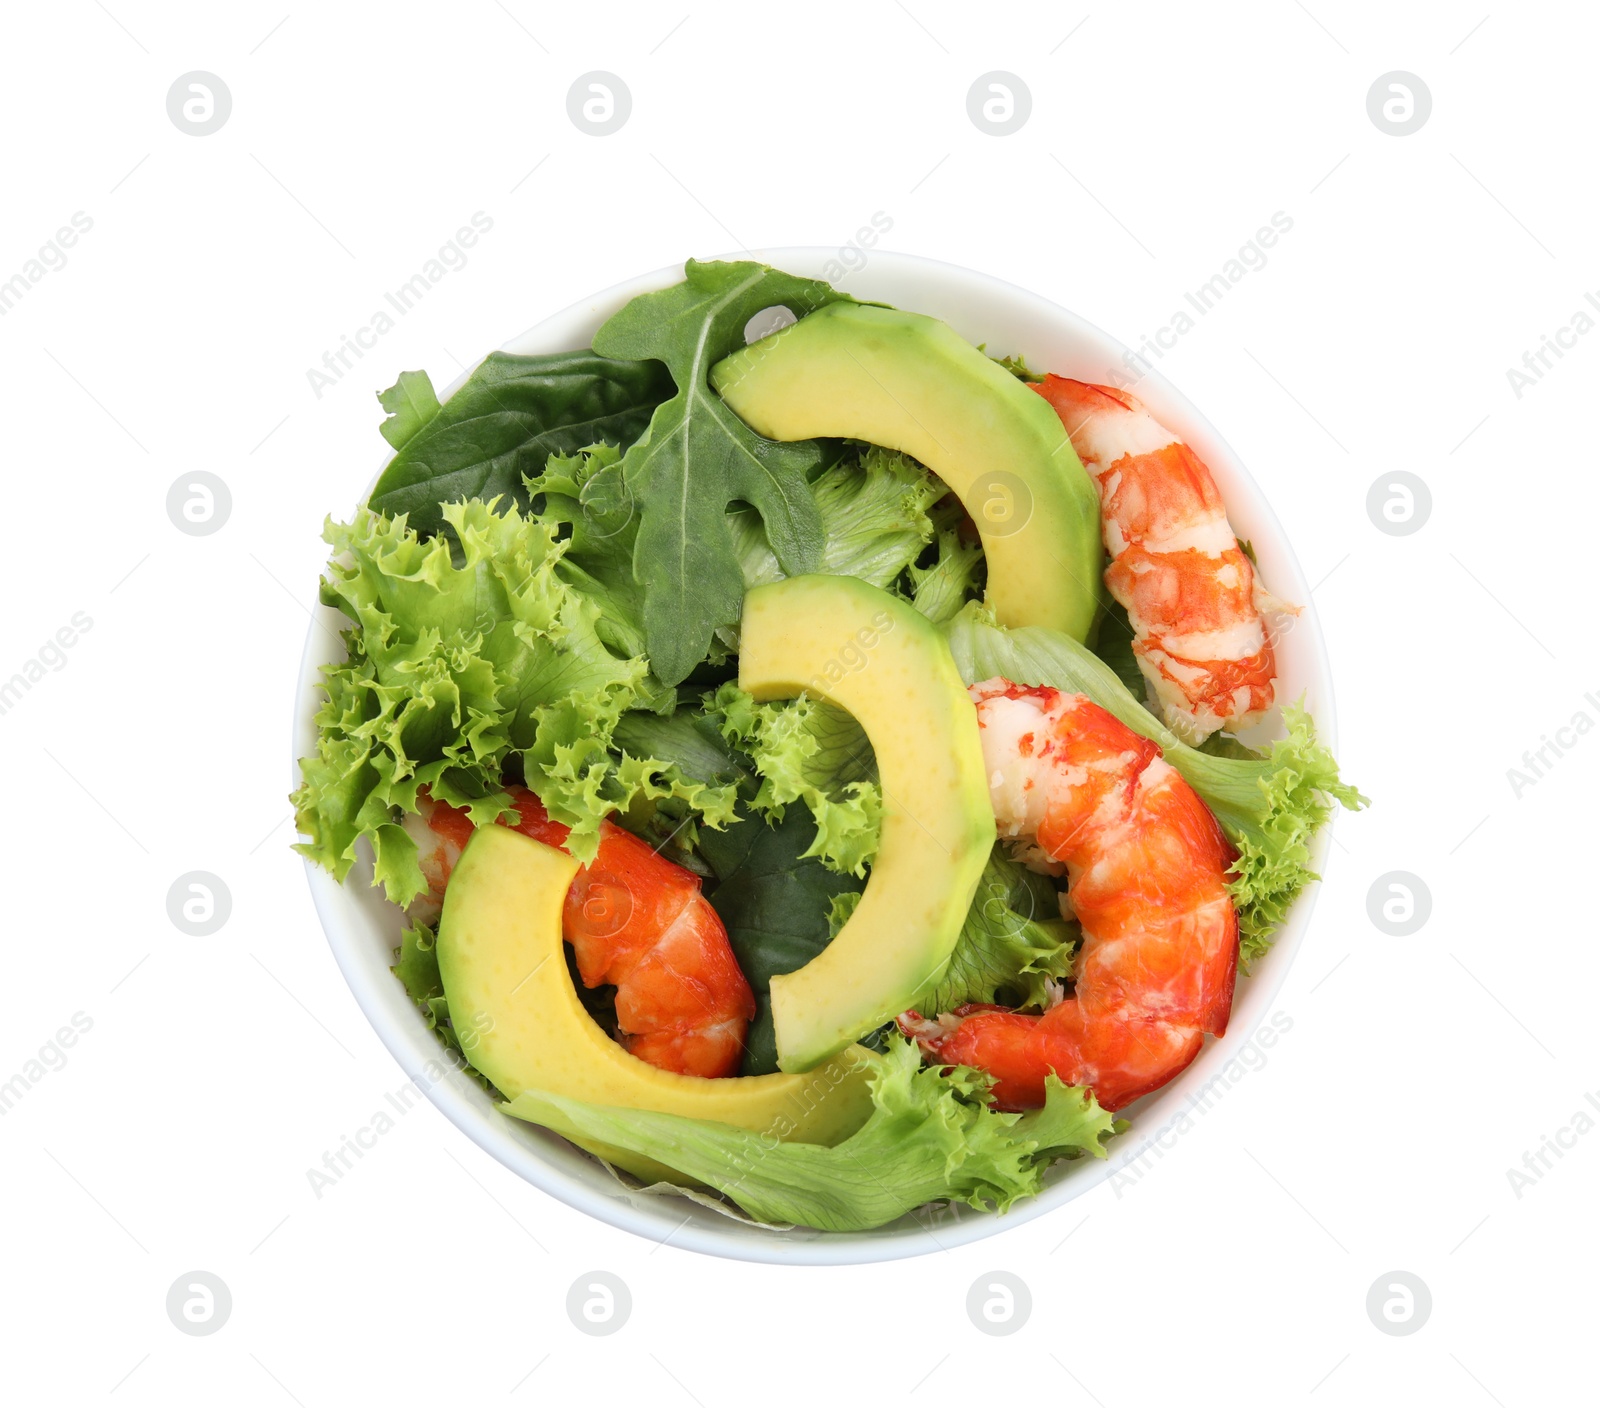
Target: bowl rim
{"type": "Point", "coordinates": [574, 1178]}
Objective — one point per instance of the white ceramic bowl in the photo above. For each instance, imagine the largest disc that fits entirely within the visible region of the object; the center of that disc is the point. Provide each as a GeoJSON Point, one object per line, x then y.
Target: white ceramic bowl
{"type": "Point", "coordinates": [363, 929]}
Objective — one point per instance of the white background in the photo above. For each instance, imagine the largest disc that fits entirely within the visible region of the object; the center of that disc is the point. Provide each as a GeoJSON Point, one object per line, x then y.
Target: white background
{"type": "Point", "coordinates": [177, 338]}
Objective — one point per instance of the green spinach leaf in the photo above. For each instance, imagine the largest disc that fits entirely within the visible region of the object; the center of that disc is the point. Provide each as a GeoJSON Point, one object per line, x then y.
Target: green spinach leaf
{"type": "Point", "coordinates": [509, 417]}
{"type": "Point", "coordinates": [775, 904]}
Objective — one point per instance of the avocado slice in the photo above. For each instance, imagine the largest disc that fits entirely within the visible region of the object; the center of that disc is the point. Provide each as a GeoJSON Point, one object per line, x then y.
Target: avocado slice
{"type": "Point", "coordinates": [520, 1022]}
{"type": "Point", "coordinates": [875, 656]}
{"type": "Point", "coordinates": [910, 383]}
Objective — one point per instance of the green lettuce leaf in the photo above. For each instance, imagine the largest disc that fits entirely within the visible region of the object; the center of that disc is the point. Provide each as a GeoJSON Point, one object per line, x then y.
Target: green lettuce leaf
{"type": "Point", "coordinates": [807, 750]}
{"type": "Point", "coordinates": [586, 492]}
{"type": "Point", "coordinates": [692, 742]}
{"type": "Point", "coordinates": [581, 777]}
{"type": "Point", "coordinates": [417, 964]}
{"type": "Point", "coordinates": [509, 416]}
{"type": "Point", "coordinates": [456, 670]}
{"type": "Point", "coordinates": [874, 506]}
{"type": "Point", "coordinates": [685, 749]}
{"type": "Point", "coordinates": [930, 1137]}
{"type": "Point", "coordinates": [840, 908]}
{"type": "Point", "coordinates": [417, 967]}
{"type": "Point", "coordinates": [411, 404]}
{"type": "Point", "coordinates": [697, 457]}
{"type": "Point", "coordinates": [1269, 807]}
{"type": "Point", "coordinates": [1015, 363]}
{"type": "Point", "coordinates": [940, 589]}
{"type": "Point", "coordinates": [774, 901]}
{"type": "Point", "coordinates": [1013, 943]}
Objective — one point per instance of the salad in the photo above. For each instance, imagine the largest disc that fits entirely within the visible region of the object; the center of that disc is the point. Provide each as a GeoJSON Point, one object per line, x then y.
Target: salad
{"type": "Point", "coordinates": [808, 762]}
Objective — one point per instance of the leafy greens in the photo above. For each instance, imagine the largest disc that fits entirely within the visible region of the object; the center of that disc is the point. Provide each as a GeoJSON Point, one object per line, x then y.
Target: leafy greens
{"type": "Point", "coordinates": [774, 901]}
{"type": "Point", "coordinates": [1013, 944]}
{"type": "Point", "coordinates": [509, 416]}
{"type": "Point", "coordinates": [807, 750]}
{"type": "Point", "coordinates": [931, 1136]}
{"type": "Point", "coordinates": [697, 457]}
{"type": "Point", "coordinates": [873, 506]}
{"type": "Point", "coordinates": [546, 585]}
{"type": "Point", "coordinates": [411, 403]}
{"type": "Point", "coordinates": [456, 672]}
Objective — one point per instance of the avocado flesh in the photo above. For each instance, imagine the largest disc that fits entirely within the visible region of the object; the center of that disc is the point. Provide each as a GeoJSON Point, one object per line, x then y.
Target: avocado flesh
{"type": "Point", "coordinates": [873, 655]}
{"type": "Point", "coordinates": [521, 1024]}
{"type": "Point", "coordinates": [910, 383]}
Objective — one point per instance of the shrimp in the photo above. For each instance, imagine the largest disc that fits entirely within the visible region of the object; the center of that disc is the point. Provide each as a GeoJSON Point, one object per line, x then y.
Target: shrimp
{"type": "Point", "coordinates": [1191, 593]}
{"type": "Point", "coordinates": [1146, 865]}
{"type": "Point", "coordinates": [635, 920]}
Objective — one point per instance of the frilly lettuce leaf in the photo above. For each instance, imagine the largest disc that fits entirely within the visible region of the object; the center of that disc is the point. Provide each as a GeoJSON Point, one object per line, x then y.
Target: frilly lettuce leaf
{"type": "Point", "coordinates": [806, 750]}
{"type": "Point", "coordinates": [930, 1137]}
{"type": "Point", "coordinates": [457, 669]}
{"type": "Point", "coordinates": [1269, 807]}
{"type": "Point", "coordinates": [417, 967]}
{"type": "Point", "coordinates": [940, 589]}
{"type": "Point", "coordinates": [691, 740]}
{"type": "Point", "coordinates": [873, 504]}
{"type": "Point", "coordinates": [1015, 363]}
{"type": "Point", "coordinates": [411, 403]}
{"type": "Point", "coordinates": [840, 908]}
{"type": "Point", "coordinates": [1013, 941]}
{"type": "Point", "coordinates": [587, 492]}
{"type": "Point", "coordinates": [417, 964]}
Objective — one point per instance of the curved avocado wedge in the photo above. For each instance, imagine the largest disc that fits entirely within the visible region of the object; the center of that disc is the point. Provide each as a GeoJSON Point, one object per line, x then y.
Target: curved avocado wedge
{"type": "Point", "coordinates": [521, 1024]}
{"type": "Point", "coordinates": [910, 383]}
{"type": "Point", "coordinates": [875, 656]}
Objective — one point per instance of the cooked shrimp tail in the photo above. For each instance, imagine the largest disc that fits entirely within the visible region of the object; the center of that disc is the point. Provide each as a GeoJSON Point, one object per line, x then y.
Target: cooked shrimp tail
{"type": "Point", "coordinates": [635, 921]}
{"type": "Point", "coordinates": [1193, 597]}
{"type": "Point", "coordinates": [1146, 865]}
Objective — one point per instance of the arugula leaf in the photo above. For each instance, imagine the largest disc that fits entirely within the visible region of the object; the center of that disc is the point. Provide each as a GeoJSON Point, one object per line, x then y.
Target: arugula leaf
{"type": "Point", "coordinates": [807, 750]}
{"type": "Point", "coordinates": [1270, 807]}
{"type": "Point", "coordinates": [411, 404]}
{"type": "Point", "coordinates": [697, 457]}
{"type": "Point", "coordinates": [774, 902]}
{"type": "Point", "coordinates": [509, 416]}
{"type": "Point", "coordinates": [931, 1136]}
{"type": "Point", "coordinates": [1013, 941]}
